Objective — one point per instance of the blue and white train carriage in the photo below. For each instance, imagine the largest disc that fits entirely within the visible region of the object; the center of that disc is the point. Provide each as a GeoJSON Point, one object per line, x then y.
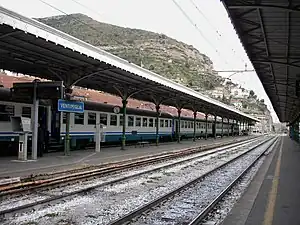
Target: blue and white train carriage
{"type": "Point", "coordinates": [140, 124]}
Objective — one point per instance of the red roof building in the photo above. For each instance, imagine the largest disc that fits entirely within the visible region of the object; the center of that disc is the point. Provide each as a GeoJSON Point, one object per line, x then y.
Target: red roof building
{"type": "Point", "coordinates": [98, 96]}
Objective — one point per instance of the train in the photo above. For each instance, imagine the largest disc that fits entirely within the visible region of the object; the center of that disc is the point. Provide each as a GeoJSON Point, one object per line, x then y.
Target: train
{"type": "Point", "coordinates": [140, 124]}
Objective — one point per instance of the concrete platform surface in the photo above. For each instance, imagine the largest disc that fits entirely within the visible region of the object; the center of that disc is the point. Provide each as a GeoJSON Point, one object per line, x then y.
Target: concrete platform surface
{"type": "Point", "coordinates": [273, 197]}
{"type": "Point", "coordinates": [10, 167]}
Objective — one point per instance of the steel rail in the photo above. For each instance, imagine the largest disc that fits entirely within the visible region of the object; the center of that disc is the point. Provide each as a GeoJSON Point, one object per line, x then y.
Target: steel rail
{"type": "Point", "coordinates": [115, 167]}
{"type": "Point", "coordinates": [204, 213]}
{"type": "Point", "coordinates": [137, 212]}
{"type": "Point", "coordinates": [57, 197]}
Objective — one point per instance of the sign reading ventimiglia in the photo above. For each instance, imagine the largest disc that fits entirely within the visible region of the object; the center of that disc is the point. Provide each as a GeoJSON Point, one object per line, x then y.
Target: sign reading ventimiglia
{"type": "Point", "coordinates": [70, 106]}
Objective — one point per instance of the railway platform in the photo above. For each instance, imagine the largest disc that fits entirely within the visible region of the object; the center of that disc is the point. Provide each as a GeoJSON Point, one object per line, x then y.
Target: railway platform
{"type": "Point", "coordinates": [10, 167]}
{"type": "Point", "coordinates": [273, 196]}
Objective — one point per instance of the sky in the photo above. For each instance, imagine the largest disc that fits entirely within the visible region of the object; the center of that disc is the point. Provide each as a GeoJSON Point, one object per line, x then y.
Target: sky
{"type": "Point", "coordinates": [207, 27]}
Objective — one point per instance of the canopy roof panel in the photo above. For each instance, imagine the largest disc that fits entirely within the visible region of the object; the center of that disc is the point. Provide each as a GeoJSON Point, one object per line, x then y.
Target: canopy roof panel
{"type": "Point", "coordinates": [269, 31]}
{"type": "Point", "coordinates": [30, 47]}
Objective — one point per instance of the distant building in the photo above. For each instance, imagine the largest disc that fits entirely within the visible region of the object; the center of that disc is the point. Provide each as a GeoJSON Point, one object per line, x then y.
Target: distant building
{"type": "Point", "coordinates": [266, 123]}
{"type": "Point", "coordinates": [239, 92]}
{"type": "Point", "coordinates": [219, 92]}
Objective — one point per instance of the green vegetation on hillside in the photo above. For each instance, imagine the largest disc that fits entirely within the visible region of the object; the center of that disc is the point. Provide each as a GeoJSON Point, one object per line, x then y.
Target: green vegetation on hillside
{"type": "Point", "coordinates": [156, 52]}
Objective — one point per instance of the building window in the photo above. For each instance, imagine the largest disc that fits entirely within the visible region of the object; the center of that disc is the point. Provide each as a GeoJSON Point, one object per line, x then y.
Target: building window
{"type": "Point", "coordinates": [6, 111]}
{"type": "Point", "coordinates": [113, 120]}
{"type": "Point", "coordinates": [79, 118]}
{"type": "Point", "coordinates": [151, 122]}
{"type": "Point", "coordinates": [138, 121]}
{"type": "Point", "coordinates": [26, 112]}
{"type": "Point", "coordinates": [145, 122]}
{"type": "Point", "coordinates": [91, 118]}
{"type": "Point", "coordinates": [103, 118]}
{"type": "Point", "coordinates": [161, 123]}
{"type": "Point", "coordinates": [130, 121]}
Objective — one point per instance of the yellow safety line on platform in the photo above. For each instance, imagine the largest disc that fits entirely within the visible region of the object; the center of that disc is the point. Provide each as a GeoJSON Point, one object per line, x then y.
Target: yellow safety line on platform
{"type": "Point", "coordinates": [269, 213]}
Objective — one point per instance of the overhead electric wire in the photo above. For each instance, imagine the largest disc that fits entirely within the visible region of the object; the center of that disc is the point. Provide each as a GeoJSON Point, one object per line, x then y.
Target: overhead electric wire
{"type": "Point", "coordinates": [197, 28]}
{"type": "Point", "coordinates": [84, 6]}
{"type": "Point", "coordinates": [53, 7]}
{"type": "Point", "coordinates": [213, 27]}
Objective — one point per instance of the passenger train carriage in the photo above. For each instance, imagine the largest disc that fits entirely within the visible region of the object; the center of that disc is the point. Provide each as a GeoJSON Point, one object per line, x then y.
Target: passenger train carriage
{"type": "Point", "coordinates": [140, 124]}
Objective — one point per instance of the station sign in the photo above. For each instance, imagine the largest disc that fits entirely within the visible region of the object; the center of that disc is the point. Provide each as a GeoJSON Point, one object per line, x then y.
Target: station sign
{"type": "Point", "coordinates": [70, 106]}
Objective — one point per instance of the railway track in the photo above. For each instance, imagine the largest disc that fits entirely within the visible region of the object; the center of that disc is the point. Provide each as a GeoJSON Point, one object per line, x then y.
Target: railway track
{"type": "Point", "coordinates": [182, 205]}
{"type": "Point", "coordinates": [55, 197]}
{"type": "Point", "coordinates": [67, 177]}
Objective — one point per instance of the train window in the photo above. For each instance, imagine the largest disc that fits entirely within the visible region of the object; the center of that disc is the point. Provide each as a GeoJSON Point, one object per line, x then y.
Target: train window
{"type": "Point", "coordinates": [79, 118]}
{"type": "Point", "coordinates": [130, 121]}
{"type": "Point", "coordinates": [182, 124]}
{"type": "Point", "coordinates": [185, 124]}
{"type": "Point", "coordinates": [145, 122]}
{"type": "Point", "coordinates": [161, 122]}
{"type": "Point", "coordinates": [103, 118]}
{"type": "Point", "coordinates": [166, 123]}
{"type": "Point", "coordinates": [113, 120]}
{"type": "Point", "coordinates": [192, 125]}
{"type": "Point", "coordinates": [26, 112]}
{"type": "Point", "coordinates": [121, 120]}
{"type": "Point", "coordinates": [155, 122]}
{"type": "Point", "coordinates": [92, 118]}
{"type": "Point", "coordinates": [170, 123]}
{"type": "Point", "coordinates": [64, 116]}
{"type": "Point", "coordinates": [138, 121]}
{"type": "Point", "coordinates": [6, 111]}
{"type": "Point", "coordinates": [151, 124]}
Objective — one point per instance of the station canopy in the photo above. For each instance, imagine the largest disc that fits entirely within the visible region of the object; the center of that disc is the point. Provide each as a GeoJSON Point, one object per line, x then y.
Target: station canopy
{"type": "Point", "coordinates": [269, 31]}
{"type": "Point", "coordinates": [30, 47]}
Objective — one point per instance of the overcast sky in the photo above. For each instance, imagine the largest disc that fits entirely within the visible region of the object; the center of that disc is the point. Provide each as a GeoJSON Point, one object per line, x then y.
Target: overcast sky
{"type": "Point", "coordinates": [209, 30]}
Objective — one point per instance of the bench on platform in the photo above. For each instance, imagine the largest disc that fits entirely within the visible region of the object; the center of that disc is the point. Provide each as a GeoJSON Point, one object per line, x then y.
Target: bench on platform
{"type": "Point", "coordinates": [142, 143]}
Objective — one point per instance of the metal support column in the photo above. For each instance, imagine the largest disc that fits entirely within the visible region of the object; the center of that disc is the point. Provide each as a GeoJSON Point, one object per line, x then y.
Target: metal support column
{"type": "Point", "coordinates": [206, 116]}
{"type": "Point", "coordinates": [68, 92]}
{"type": "Point", "coordinates": [156, 124]}
{"type": "Point", "coordinates": [195, 116]}
{"type": "Point", "coordinates": [67, 136]}
{"type": "Point", "coordinates": [179, 125]}
{"type": "Point", "coordinates": [124, 102]}
{"type": "Point", "coordinates": [222, 132]}
{"type": "Point", "coordinates": [228, 127]}
{"type": "Point", "coordinates": [35, 122]}
{"type": "Point", "coordinates": [215, 131]}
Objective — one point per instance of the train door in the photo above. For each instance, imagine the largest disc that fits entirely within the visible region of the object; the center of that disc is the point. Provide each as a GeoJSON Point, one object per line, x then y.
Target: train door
{"type": "Point", "coordinates": [55, 125]}
{"type": "Point", "coordinates": [42, 117]}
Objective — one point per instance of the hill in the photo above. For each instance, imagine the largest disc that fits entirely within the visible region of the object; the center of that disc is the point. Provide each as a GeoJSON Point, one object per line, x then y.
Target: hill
{"type": "Point", "coordinates": [157, 52]}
